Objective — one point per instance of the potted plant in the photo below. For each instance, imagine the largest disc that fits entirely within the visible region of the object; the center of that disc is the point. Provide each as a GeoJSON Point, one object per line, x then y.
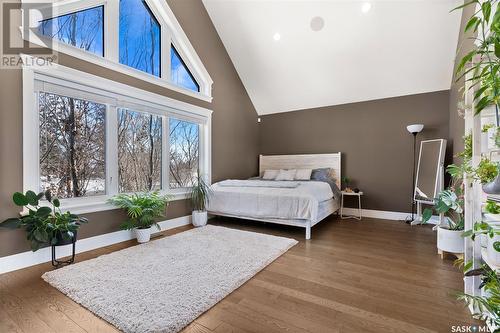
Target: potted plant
{"type": "Point", "coordinates": [450, 203]}
{"type": "Point", "coordinates": [492, 210]}
{"type": "Point", "coordinates": [44, 225]}
{"type": "Point", "coordinates": [485, 307]}
{"type": "Point", "coordinates": [143, 210]}
{"type": "Point", "coordinates": [449, 232]}
{"type": "Point", "coordinates": [487, 173]}
{"type": "Point", "coordinates": [347, 184]}
{"type": "Point", "coordinates": [200, 196]}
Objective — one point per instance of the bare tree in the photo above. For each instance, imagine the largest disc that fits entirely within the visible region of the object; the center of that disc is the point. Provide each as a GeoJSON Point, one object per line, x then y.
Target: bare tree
{"type": "Point", "coordinates": [72, 136]}
{"type": "Point", "coordinates": [184, 153]}
{"type": "Point", "coordinates": [139, 151]}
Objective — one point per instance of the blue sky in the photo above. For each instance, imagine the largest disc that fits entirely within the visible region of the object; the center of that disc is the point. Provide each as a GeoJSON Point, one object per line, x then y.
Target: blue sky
{"type": "Point", "coordinates": [88, 32]}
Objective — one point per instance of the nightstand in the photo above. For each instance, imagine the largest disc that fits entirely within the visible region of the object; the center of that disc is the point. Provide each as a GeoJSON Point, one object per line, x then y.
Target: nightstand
{"type": "Point", "coordinates": [359, 194]}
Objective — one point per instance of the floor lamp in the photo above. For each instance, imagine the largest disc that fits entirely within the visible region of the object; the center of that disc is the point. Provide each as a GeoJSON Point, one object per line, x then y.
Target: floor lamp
{"type": "Point", "coordinates": [414, 130]}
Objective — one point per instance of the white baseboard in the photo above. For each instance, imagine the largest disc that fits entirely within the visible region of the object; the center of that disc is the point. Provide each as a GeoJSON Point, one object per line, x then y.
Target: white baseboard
{"type": "Point", "coordinates": [377, 214]}
{"type": "Point", "coordinates": [29, 258]}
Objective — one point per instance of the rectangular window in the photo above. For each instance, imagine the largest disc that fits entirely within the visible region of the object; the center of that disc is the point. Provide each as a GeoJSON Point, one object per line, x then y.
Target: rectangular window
{"type": "Point", "coordinates": [139, 151]}
{"type": "Point", "coordinates": [72, 146]}
{"type": "Point", "coordinates": [139, 37]}
{"type": "Point", "coordinates": [184, 152]}
{"type": "Point", "coordinates": [83, 29]}
{"type": "Point", "coordinates": [88, 143]}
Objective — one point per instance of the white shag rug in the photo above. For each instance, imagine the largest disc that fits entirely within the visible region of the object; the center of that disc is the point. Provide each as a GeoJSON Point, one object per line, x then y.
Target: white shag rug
{"type": "Point", "coordinates": [163, 285]}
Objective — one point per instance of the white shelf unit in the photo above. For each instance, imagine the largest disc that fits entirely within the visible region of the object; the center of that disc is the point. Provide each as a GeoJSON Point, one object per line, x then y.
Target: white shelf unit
{"type": "Point", "coordinates": [475, 198]}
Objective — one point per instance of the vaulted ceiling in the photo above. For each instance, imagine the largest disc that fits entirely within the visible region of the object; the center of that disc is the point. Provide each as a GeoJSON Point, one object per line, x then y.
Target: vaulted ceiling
{"type": "Point", "coordinates": [294, 55]}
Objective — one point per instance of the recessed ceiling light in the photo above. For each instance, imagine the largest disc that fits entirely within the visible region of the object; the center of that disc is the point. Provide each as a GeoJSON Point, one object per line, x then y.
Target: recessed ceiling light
{"type": "Point", "coordinates": [276, 36]}
{"type": "Point", "coordinates": [317, 23]}
{"type": "Point", "coordinates": [366, 7]}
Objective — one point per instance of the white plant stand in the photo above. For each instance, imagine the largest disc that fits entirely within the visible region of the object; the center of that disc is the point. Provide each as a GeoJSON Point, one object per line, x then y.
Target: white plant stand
{"type": "Point", "coordinates": [359, 216]}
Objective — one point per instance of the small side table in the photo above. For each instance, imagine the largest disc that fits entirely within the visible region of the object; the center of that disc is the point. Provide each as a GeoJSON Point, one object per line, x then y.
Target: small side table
{"type": "Point", "coordinates": [359, 194]}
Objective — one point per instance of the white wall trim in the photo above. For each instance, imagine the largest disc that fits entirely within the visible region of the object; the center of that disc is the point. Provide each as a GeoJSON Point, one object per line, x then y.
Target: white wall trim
{"type": "Point", "coordinates": [387, 215]}
{"type": "Point", "coordinates": [377, 214]}
{"type": "Point", "coordinates": [29, 258]}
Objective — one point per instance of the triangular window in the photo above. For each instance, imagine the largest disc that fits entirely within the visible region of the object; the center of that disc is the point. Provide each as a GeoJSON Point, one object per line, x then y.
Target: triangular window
{"type": "Point", "coordinates": [180, 74]}
{"type": "Point", "coordinates": [83, 29]}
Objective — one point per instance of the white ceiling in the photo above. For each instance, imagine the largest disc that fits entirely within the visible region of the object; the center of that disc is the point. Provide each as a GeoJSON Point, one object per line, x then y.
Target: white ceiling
{"type": "Point", "coordinates": [397, 48]}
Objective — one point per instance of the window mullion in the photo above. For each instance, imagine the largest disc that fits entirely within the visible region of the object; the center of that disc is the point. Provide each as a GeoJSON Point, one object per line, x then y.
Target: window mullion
{"type": "Point", "coordinates": [166, 40]}
{"type": "Point", "coordinates": [111, 150]}
{"type": "Point", "coordinates": [165, 156]}
{"type": "Point", "coordinates": [111, 30]}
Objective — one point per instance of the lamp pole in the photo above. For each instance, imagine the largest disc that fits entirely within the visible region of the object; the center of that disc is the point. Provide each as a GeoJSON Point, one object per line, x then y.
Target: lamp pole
{"type": "Point", "coordinates": [413, 177]}
{"type": "Point", "coordinates": [414, 130]}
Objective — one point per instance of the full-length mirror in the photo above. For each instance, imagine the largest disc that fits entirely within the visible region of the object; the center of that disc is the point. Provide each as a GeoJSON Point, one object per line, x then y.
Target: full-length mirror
{"type": "Point", "coordinates": [429, 170]}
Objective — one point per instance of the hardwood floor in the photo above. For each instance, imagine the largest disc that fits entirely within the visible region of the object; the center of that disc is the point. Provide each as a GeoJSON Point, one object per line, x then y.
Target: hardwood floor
{"type": "Point", "coordinates": [353, 276]}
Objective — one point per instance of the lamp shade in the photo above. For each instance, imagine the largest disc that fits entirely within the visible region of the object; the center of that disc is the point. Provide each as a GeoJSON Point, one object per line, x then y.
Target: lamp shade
{"type": "Point", "coordinates": [415, 128]}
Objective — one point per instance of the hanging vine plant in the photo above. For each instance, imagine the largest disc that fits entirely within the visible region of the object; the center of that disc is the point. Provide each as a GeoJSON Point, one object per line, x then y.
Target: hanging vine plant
{"type": "Point", "coordinates": [480, 67]}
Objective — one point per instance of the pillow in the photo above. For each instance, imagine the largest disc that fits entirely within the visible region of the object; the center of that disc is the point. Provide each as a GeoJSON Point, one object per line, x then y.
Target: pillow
{"type": "Point", "coordinates": [286, 174]}
{"type": "Point", "coordinates": [303, 174]}
{"type": "Point", "coordinates": [327, 175]}
{"type": "Point", "coordinates": [270, 174]}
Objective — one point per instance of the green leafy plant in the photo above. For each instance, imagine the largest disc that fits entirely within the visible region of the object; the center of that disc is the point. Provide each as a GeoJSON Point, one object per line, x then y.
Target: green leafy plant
{"type": "Point", "coordinates": [466, 155]}
{"type": "Point", "coordinates": [492, 207]}
{"type": "Point", "coordinates": [486, 171]}
{"type": "Point", "coordinates": [482, 62]}
{"type": "Point", "coordinates": [486, 127]}
{"type": "Point", "coordinates": [484, 228]}
{"type": "Point", "coordinates": [347, 181]}
{"type": "Point", "coordinates": [200, 194]}
{"type": "Point", "coordinates": [44, 225]}
{"type": "Point", "coordinates": [486, 308]}
{"type": "Point", "coordinates": [449, 203]}
{"type": "Point", "coordinates": [143, 209]}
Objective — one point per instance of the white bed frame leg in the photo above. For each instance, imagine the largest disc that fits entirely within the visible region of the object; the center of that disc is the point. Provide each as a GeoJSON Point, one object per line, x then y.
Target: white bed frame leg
{"type": "Point", "coordinates": [308, 230]}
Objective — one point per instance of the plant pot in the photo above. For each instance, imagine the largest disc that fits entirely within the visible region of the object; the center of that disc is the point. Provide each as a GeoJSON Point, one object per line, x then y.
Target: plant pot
{"type": "Point", "coordinates": [493, 255]}
{"type": "Point", "coordinates": [492, 187]}
{"type": "Point", "coordinates": [143, 235]}
{"type": "Point", "coordinates": [450, 240]}
{"type": "Point", "coordinates": [62, 241]}
{"type": "Point", "coordinates": [199, 218]}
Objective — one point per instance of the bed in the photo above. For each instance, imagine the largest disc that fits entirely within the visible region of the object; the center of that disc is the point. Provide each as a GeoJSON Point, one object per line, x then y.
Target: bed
{"type": "Point", "coordinates": [297, 203]}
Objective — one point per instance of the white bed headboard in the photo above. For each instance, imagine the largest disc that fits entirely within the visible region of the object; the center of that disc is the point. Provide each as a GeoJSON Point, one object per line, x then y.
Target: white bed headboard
{"type": "Point", "coordinates": [304, 161]}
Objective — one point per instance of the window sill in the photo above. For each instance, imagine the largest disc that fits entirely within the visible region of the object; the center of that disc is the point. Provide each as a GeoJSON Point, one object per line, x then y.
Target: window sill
{"type": "Point", "coordinates": [100, 204]}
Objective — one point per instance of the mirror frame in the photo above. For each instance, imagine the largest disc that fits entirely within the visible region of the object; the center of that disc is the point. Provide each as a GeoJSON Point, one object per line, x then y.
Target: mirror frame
{"type": "Point", "coordinates": [440, 167]}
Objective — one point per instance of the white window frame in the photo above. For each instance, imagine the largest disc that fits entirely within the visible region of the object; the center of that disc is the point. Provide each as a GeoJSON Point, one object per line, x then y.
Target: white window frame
{"type": "Point", "coordinates": [67, 81]}
{"type": "Point", "coordinates": [170, 33]}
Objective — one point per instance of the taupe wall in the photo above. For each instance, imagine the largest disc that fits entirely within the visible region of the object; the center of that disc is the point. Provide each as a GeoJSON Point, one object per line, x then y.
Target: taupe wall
{"type": "Point", "coordinates": [376, 147]}
{"type": "Point", "coordinates": [457, 125]}
{"type": "Point", "coordinates": [234, 126]}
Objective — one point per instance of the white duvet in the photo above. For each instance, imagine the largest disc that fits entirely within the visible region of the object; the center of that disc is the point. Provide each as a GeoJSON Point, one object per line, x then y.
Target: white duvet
{"type": "Point", "coordinates": [279, 199]}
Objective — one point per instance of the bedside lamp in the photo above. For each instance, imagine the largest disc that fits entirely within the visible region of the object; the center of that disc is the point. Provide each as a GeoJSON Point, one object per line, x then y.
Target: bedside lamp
{"type": "Point", "coordinates": [414, 129]}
